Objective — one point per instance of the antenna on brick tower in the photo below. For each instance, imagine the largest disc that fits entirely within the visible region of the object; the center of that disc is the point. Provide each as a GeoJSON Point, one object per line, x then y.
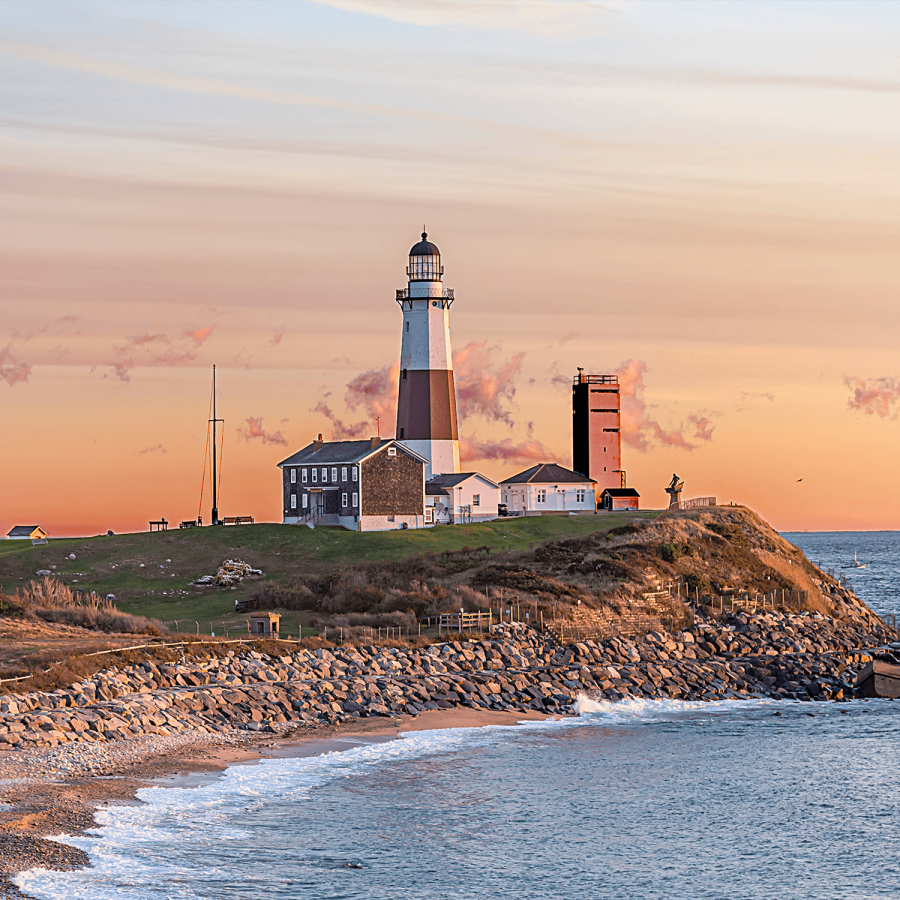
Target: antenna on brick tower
{"type": "Point", "coordinates": [378, 426]}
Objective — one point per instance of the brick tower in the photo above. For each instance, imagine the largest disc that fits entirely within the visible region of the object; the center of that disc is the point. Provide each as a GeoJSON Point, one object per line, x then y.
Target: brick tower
{"type": "Point", "coordinates": [596, 437]}
{"type": "Point", "coordinates": [426, 403]}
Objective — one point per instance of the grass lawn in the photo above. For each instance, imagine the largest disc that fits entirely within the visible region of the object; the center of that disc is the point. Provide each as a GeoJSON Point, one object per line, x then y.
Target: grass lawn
{"type": "Point", "coordinates": [152, 574]}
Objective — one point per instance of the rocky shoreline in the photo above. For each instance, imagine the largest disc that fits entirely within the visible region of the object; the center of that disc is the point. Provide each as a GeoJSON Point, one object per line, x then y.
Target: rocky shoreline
{"type": "Point", "coordinates": [805, 656]}
{"type": "Point", "coordinates": [124, 718]}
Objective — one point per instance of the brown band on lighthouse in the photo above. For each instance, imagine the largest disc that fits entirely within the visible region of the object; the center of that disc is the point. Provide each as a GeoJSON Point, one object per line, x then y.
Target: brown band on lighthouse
{"type": "Point", "coordinates": [426, 406]}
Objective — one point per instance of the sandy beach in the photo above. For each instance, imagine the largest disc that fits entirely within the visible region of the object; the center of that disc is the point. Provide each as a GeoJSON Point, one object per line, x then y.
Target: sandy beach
{"type": "Point", "coordinates": [43, 794]}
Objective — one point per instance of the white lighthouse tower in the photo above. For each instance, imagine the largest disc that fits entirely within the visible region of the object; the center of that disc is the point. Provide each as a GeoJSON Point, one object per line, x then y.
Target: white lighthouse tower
{"type": "Point", "coordinates": [426, 404]}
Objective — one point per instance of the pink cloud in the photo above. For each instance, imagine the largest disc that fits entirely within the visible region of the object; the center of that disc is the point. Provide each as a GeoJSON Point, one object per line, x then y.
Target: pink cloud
{"type": "Point", "coordinates": [482, 389]}
{"type": "Point", "coordinates": [253, 429]}
{"type": "Point", "coordinates": [476, 449]}
{"type": "Point", "coordinates": [376, 392]}
{"type": "Point", "coordinates": [640, 429]}
{"type": "Point", "coordinates": [12, 371]}
{"type": "Point", "coordinates": [340, 431]}
{"type": "Point", "coordinates": [873, 396]}
{"type": "Point", "coordinates": [276, 338]}
{"type": "Point", "coordinates": [158, 350]}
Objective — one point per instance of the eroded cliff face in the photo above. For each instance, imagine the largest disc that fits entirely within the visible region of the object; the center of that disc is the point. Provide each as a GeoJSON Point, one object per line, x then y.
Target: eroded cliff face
{"type": "Point", "coordinates": [726, 558]}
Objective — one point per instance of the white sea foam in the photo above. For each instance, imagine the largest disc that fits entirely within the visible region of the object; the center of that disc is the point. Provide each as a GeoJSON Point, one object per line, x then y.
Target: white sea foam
{"type": "Point", "coordinates": [132, 850]}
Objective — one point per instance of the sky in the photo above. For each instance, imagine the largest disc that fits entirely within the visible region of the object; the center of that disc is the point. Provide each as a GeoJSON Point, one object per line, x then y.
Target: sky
{"type": "Point", "coordinates": [700, 197]}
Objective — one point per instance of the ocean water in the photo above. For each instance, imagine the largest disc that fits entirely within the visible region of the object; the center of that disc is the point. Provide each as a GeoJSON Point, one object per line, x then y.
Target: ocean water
{"type": "Point", "coordinates": [641, 799]}
{"type": "Point", "coordinates": [879, 583]}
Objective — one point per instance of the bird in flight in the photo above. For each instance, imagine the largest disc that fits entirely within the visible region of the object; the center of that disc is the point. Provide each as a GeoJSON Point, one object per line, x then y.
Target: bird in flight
{"type": "Point", "coordinates": [799, 480]}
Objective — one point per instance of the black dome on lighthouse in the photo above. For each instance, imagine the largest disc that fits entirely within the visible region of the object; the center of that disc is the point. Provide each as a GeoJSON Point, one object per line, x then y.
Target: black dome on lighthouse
{"type": "Point", "coordinates": [424, 247]}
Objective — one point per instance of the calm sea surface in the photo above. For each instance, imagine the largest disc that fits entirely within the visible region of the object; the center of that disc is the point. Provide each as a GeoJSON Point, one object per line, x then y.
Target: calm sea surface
{"type": "Point", "coordinates": [879, 583]}
{"type": "Point", "coordinates": [634, 800]}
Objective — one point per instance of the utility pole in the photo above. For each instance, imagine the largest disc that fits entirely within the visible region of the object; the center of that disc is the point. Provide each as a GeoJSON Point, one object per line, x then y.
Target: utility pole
{"type": "Point", "coordinates": [215, 486]}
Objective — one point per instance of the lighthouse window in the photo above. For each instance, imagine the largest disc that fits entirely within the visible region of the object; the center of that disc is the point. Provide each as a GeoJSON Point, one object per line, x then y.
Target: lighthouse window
{"type": "Point", "coordinates": [404, 374]}
{"type": "Point", "coordinates": [407, 327]}
{"type": "Point", "coordinates": [401, 434]}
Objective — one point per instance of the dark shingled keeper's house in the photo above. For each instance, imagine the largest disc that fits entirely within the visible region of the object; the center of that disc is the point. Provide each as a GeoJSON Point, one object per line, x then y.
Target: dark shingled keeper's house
{"type": "Point", "coordinates": [373, 485]}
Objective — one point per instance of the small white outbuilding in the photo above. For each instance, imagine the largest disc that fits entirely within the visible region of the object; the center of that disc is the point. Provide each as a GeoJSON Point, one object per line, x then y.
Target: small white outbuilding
{"type": "Point", "coordinates": [457, 498]}
{"type": "Point", "coordinates": [548, 488]}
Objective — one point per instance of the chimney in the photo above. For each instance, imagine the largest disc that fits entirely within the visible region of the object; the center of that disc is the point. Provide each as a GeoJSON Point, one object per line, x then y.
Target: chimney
{"type": "Point", "coordinates": [317, 443]}
{"type": "Point", "coordinates": [374, 442]}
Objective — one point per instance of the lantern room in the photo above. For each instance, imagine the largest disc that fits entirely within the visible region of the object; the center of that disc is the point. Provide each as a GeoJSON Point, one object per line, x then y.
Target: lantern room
{"type": "Point", "coordinates": [425, 261]}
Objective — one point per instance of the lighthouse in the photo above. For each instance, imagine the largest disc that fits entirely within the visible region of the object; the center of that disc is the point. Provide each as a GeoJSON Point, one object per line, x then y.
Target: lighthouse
{"type": "Point", "coordinates": [426, 402]}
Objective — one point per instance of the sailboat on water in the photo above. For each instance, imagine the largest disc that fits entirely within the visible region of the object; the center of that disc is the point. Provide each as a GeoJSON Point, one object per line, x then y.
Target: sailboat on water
{"type": "Point", "coordinates": [856, 563]}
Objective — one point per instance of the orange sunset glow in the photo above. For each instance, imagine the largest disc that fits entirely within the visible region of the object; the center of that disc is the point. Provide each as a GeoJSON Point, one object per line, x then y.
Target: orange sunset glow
{"type": "Point", "coordinates": [701, 198]}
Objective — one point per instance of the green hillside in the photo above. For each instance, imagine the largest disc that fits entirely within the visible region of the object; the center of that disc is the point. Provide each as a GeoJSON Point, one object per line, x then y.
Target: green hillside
{"type": "Point", "coordinates": [153, 574]}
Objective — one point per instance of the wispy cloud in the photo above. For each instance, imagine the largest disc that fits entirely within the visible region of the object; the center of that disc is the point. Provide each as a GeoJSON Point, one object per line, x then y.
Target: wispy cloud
{"type": "Point", "coordinates": [545, 18]}
{"type": "Point", "coordinates": [484, 386]}
{"type": "Point", "coordinates": [157, 449]}
{"type": "Point", "coordinates": [375, 392]}
{"type": "Point", "coordinates": [158, 350]}
{"type": "Point", "coordinates": [640, 429]}
{"type": "Point", "coordinates": [874, 396]}
{"type": "Point", "coordinates": [749, 399]}
{"type": "Point", "coordinates": [252, 429]}
{"type": "Point", "coordinates": [12, 371]}
{"type": "Point", "coordinates": [507, 450]}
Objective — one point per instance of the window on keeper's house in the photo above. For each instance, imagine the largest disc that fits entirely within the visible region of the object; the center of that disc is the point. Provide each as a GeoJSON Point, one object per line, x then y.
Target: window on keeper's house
{"type": "Point", "coordinates": [293, 476]}
{"type": "Point", "coordinates": [356, 499]}
{"type": "Point", "coordinates": [303, 475]}
{"type": "Point", "coordinates": [476, 499]}
{"type": "Point", "coordinates": [343, 499]}
{"type": "Point", "coordinates": [392, 451]}
{"type": "Point", "coordinates": [344, 474]}
{"type": "Point", "coordinates": [315, 475]}
{"type": "Point", "coordinates": [355, 473]}
{"type": "Point", "coordinates": [324, 474]}
{"type": "Point", "coordinates": [293, 501]}
{"type": "Point", "coordinates": [334, 474]}
{"type": "Point", "coordinates": [305, 499]}
{"type": "Point", "coordinates": [541, 496]}
{"type": "Point", "coordinates": [579, 496]}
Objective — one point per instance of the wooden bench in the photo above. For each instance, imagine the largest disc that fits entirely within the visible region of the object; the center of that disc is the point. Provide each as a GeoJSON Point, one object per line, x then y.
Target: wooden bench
{"type": "Point", "coordinates": [161, 525]}
{"type": "Point", "coordinates": [238, 520]}
{"type": "Point", "coordinates": [188, 523]}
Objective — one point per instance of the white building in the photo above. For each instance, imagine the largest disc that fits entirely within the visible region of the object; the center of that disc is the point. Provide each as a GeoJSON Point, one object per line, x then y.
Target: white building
{"type": "Point", "coordinates": [547, 488]}
{"type": "Point", "coordinates": [455, 499]}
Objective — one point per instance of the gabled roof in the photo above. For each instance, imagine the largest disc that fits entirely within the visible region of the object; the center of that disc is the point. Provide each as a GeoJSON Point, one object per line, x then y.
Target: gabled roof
{"type": "Point", "coordinates": [451, 479]}
{"type": "Point", "coordinates": [330, 452]}
{"type": "Point", "coordinates": [548, 473]}
{"type": "Point", "coordinates": [24, 530]}
{"type": "Point", "coordinates": [435, 490]}
{"type": "Point", "coordinates": [621, 492]}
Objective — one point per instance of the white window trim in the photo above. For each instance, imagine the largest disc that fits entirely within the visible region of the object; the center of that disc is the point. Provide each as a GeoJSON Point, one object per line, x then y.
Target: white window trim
{"type": "Point", "coordinates": [315, 475]}
{"type": "Point", "coordinates": [343, 499]}
{"type": "Point", "coordinates": [343, 473]}
{"type": "Point", "coordinates": [334, 474]}
{"type": "Point", "coordinates": [305, 504]}
{"type": "Point", "coordinates": [324, 475]}
{"type": "Point", "coordinates": [293, 501]}
{"type": "Point", "coordinates": [356, 473]}
{"type": "Point", "coordinates": [355, 499]}
{"type": "Point", "coordinates": [392, 451]}
{"type": "Point", "coordinates": [303, 475]}
{"type": "Point", "coordinates": [293, 476]}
